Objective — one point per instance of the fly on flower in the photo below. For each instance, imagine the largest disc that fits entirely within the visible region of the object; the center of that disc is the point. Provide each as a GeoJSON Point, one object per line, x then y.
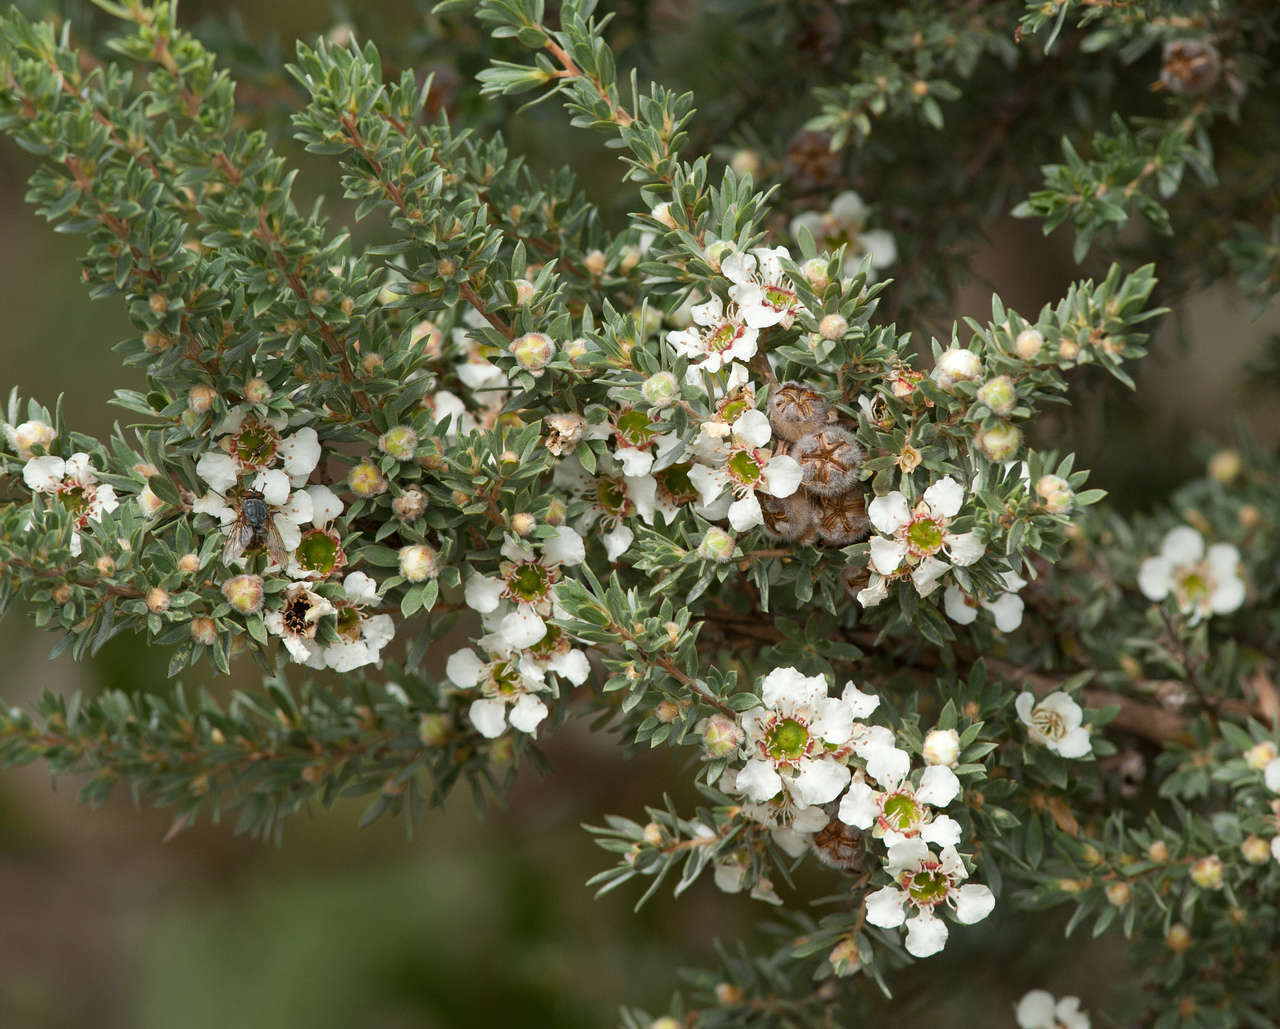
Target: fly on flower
{"type": "Point", "coordinates": [253, 530]}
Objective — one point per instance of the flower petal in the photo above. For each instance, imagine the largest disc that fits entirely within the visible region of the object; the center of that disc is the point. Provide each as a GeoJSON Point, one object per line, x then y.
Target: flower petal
{"type": "Point", "coordinates": [945, 497]}
{"type": "Point", "coordinates": [884, 907]}
{"type": "Point", "coordinates": [489, 717]}
{"type": "Point", "coordinates": [926, 935]}
{"type": "Point", "coordinates": [889, 513]}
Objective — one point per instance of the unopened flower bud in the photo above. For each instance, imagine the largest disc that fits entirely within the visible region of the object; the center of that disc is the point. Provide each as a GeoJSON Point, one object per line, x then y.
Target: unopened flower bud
{"type": "Point", "coordinates": [557, 513]}
{"type": "Point", "coordinates": [366, 480]}
{"type": "Point", "coordinates": [201, 398]}
{"type": "Point", "coordinates": [833, 326]}
{"type": "Point", "coordinates": [844, 957]}
{"type": "Point", "coordinates": [715, 253]}
{"type": "Point", "coordinates": [159, 303]}
{"type": "Point", "coordinates": [445, 268]}
{"type": "Point", "coordinates": [418, 562]}
{"type": "Point", "coordinates": [909, 459]}
{"type": "Point", "coordinates": [204, 631]}
{"type": "Point", "coordinates": [999, 395]}
{"type": "Point", "coordinates": [1225, 465]}
{"type": "Point", "coordinates": [1178, 938]}
{"type": "Point", "coordinates": [815, 273]}
{"type": "Point", "coordinates": [1055, 493]}
{"type": "Point", "coordinates": [433, 730]}
{"type": "Point", "coordinates": [1207, 872]}
{"type": "Point", "coordinates": [156, 342]}
{"type": "Point", "coordinates": [30, 435]}
{"type": "Point", "coordinates": [533, 351]}
{"type": "Point", "coordinates": [942, 747]}
{"type": "Point", "coordinates": [716, 545]}
{"type": "Point", "coordinates": [665, 1022]}
{"type": "Point", "coordinates": [667, 711]}
{"type": "Point", "coordinates": [105, 564]}
{"type": "Point", "coordinates": [1000, 442]}
{"type": "Point", "coordinates": [1068, 350]}
{"type": "Point", "coordinates": [149, 502]}
{"type": "Point", "coordinates": [257, 390]}
{"type": "Point", "coordinates": [721, 736]}
{"type": "Point", "coordinates": [957, 364]}
{"type": "Point", "coordinates": [244, 593]}
{"type": "Point", "coordinates": [630, 258]}
{"type": "Point", "coordinates": [523, 523]}
{"type": "Point", "coordinates": [409, 505]}
{"type": "Point", "coordinates": [1158, 851]}
{"type": "Point", "coordinates": [157, 600]}
{"type": "Point", "coordinates": [653, 834]}
{"type": "Point", "coordinates": [660, 389]}
{"type": "Point", "coordinates": [745, 162]}
{"type": "Point", "coordinates": [1028, 344]}
{"type": "Point", "coordinates": [61, 593]}
{"type": "Point", "coordinates": [189, 563]}
{"type": "Point", "coordinates": [1119, 894]}
{"type": "Point", "coordinates": [662, 215]}
{"type": "Point", "coordinates": [596, 263]}
{"type": "Point", "coordinates": [728, 995]}
{"type": "Point", "coordinates": [1260, 755]}
{"type": "Point", "coordinates": [1255, 850]}
{"type": "Point", "coordinates": [1249, 516]}
{"type": "Point", "coordinates": [1092, 855]}
{"type": "Point", "coordinates": [400, 442]}
{"type": "Point", "coordinates": [1072, 885]}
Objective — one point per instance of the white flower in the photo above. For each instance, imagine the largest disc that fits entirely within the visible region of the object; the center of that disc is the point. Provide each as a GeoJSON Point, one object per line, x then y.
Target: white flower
{"type": "Point", "coordinates": [361, 635]}
{"type": "Point", "coordinates": [901, 811]}
{"type": "Point", "coordinates": [507, 682]}
{"type": "Point", "coordinates": [743, 467]}
{"type": "Point", "coordinates": [787, 740]}
{"type": "Point", "coordinates": [715, 339]}
{"type": "Point", "coordinates": [1056, 722]}
{"type": "Point", "coordinates": [296, 621]}
{"type": "Point", "coordinates": [1039, 1010]}
{"type": "Point", "coordinates": [609, 501]}
{"type": "Point", "coordinates": [929, 883]}
{"type": "Point", "coordinates": [75, 483]}
{"type": "Point", "coordinates": [760, 287]}
{"type": "Point", "coordinates": [842, 225]}
{"type": "Point", "coordinates": [1202, 583]}
{"type": "Point", "coordinates": [1006, 608]}
{"type": "Point", "coordinates": [913, 539]}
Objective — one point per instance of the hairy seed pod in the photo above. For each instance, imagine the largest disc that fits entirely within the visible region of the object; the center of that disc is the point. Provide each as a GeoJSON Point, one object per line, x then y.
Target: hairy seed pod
{"type": "Point", "coordinates": [830, 459]}
{"type": "Point", "coordinates": [795, 410]}
{"type": "Point", "coordinates": [788, 518]}
{"type": "Point", "coordinates": [842, 519]}
{"type": "Point", "coordinates": [838, 846]}
{"type": "Point", "coordinates": [1191, 66]}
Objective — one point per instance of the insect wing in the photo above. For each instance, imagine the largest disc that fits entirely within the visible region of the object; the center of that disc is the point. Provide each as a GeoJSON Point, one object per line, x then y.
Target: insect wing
{"type": "Point", "coordinates": [269, 539]}
{"type": "Point", "coordinates": [239, 538]}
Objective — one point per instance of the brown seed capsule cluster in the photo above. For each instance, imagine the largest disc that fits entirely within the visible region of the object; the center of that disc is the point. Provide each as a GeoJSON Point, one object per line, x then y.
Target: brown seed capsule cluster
{"type": "Point", "coordinates": [830, 506]}
{"type": "Point", "coordinates": [1191, 66]}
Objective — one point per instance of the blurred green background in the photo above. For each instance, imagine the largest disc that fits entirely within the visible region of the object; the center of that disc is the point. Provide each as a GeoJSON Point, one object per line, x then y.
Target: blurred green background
{"type": "Point", "coordinates": [471, 923]}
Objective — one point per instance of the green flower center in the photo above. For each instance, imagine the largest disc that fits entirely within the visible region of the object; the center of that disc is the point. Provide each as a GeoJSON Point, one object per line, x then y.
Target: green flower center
{"type": "Point", "coordinates": [611, 495]}
{"type": "Point", "coordinates": [317, 552]}
{"type": "Point", "coordinates": [674, 482]}
{"type": "Point", "coordinates": [634, 427]}
{"type": "Point", "coordinates": [529, 582]}
{"type": "Point", "coordinates": [74, 500]}
{"type": "Point", "coordinates": [925, 536]}
{"type": "Point", "coordinates": [786, 741]}
{"type": "Point", "coordinates": [779, 298]}
{"type": "Point", "coordinates": [349, 623]}
{"type": "Point", "coordinates": [901, 812]}
{"type": "Point", "coordinates": [744, 467]}
{"type": "Point", "coordinates": [733, 410]}
{"type": "Point", "coordinates": [1195, 588]}
{"type": "Point", "coordinates": [929, 887]}
{"type": "Point", "coordinates": [504, 680]}
{"type": "Point", "coordinates": [723, 336]}
{"type": "Point", "coordinates": [256, 444]}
